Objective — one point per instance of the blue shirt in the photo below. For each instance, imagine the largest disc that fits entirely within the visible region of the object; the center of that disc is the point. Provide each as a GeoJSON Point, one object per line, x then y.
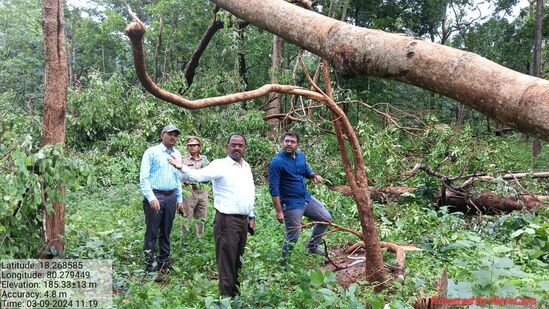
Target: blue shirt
{"type": "Point", "coordinates": [287, 179]}
{"type": "Point", "coordinates": [157, 173]}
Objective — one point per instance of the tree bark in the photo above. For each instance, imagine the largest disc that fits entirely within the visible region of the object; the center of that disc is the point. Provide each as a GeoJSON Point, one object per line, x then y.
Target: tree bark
{"type": "Point", "coordinates": [491, 203]}
{"type": "Point", "coordinates": [55, 101]}
{"type": "Point", "coordinates": [157, 48]}
{"type": "Point", "coordinates": [536, 143]}
{"type": "Point", "coordinates": [273, 105]}
{"type": "Point", "coordinates": [487, 202]}
{"type": "Point", "coordinates": [518, 100]}
{"type": "Point", "coordinates": [375, 268]}
{"type": "Point", "coordinates": [191, 66]}
{"type": "Point", "coordinates": [242, 67]}
{"type": "Point", "coordinates": [460, 116]}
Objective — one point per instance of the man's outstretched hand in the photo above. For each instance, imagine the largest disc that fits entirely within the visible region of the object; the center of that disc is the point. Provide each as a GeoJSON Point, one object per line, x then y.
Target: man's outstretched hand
{"type": "Point", "coordinates": [317, 178]}
{"type": "Point", "coordinates": [173, 161]}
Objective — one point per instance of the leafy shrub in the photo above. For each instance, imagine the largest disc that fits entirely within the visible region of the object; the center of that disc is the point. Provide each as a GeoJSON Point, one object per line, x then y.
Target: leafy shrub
{"type": "Point", "coordinates": [29, 180]}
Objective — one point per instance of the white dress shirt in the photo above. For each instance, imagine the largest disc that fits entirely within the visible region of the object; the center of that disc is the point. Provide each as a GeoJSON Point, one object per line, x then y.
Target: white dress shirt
{"type": "Point", "coordinates": [232, 183]}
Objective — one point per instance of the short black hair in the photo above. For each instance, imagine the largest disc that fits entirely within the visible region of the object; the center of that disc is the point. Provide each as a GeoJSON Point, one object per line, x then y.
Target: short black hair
{"type": "Point", "coordinates": [292, 134]}
{"type": "Point", "coordinates": [236, 134]}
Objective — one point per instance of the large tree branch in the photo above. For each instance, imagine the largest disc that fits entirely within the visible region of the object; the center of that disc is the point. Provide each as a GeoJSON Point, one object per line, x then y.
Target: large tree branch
{"type": "Point", "coordinates": [516, 99]}
{"type": "Point", "coordinates": [135, 32]}
{"type": "Point", "coordinates": [399, 250]}
{"type": "Point", "coordinates": [374, 268]}
{"type": "Point", "coordinates": [191, 66]}
{"type": "Point", "coordinates": [216, 25]}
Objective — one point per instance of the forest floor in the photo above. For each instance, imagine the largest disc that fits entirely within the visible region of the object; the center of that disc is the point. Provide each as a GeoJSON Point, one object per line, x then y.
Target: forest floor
{"type": "Point", "coordinates": [489, 255]}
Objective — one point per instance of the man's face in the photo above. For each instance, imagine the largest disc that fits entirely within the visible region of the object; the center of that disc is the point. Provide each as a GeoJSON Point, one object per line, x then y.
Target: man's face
{"type": "Point", "coordinates": [236, 147]}
{"type": "Point", "coordinates": [290, 144]}
{"type": "Point", "coordinates": [169, 139]}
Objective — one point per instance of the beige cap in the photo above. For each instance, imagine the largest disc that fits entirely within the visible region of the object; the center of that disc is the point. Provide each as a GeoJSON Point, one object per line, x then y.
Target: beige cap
{"type": "Point", "coordinates": [193, 140]}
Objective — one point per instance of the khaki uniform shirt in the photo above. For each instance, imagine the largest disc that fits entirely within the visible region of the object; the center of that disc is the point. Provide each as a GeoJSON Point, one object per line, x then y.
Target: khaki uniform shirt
{"type": "Point", "coordinates": [191, 162]}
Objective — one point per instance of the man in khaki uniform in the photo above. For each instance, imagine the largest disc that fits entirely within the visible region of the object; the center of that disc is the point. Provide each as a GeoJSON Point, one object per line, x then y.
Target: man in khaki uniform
{"type": "Point", "coordinates": [196, 205]}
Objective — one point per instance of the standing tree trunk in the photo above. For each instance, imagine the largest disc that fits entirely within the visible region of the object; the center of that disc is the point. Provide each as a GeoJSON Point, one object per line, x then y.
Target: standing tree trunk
{"type": "Point", "coordinates": [167, 48]}
{"type": "Point", "coordinates": [55, 102]}
{"type": "Point", "coordinates": [103, 58]}
{"type": "Point", "coordinates": [273, 105]}
{"type": "Point", "coordinates": [536, 143]}
{"type": "Point", "coordinates": [460, 115]}
{"type": "Point", "coordinates": [375, 269]}
{"type": "Point", "coordinates": [242, 68]}
{"type": "Point", "coordinates": [158, 45]}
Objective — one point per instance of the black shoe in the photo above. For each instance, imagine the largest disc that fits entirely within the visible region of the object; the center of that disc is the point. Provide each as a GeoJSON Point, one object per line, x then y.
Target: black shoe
{"type": "Point", "coordinates": [317, 250]}
{"type": "Point", "coordinates": [149, 269]}
{"type": "Point", "coordinates": [164, 268]}
{"type": "Point", "coordinates": [161, 277]}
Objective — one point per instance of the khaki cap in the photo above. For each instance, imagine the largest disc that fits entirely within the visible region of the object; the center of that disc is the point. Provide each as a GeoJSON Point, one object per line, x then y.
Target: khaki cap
{"type": "Point", "coordinates": [193, 140]}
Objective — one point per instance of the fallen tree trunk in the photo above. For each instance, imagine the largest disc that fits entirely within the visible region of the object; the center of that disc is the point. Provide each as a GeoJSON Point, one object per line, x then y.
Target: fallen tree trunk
{"type": "Point", "coordinates": [511, 176]}
{"type": "Point", "coordinates": [490, 203]}
{"type": "Point", "coordinates": [399, 251]}
{"type": "Point", "coordinates": [485, 202]}
{"type": "Point", "coordinates": [378, 194]}
{"type": "Point", "coordinates": [517, 100]}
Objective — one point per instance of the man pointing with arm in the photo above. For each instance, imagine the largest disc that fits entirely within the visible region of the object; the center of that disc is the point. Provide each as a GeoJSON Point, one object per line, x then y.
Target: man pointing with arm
{"type": "Point", "coordinates": [234, 194]}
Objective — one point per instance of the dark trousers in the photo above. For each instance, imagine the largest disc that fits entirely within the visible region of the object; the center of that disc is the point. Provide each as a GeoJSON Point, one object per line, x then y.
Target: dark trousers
{"type": "Point", "coordinates": [230, 232]}
{"type": "Point", "coordinates": [159, 226]}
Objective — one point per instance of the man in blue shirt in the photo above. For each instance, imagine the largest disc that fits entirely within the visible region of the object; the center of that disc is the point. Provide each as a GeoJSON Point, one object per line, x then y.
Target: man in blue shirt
{"type": "Point", "coordinates": [159, 182]}
{"type": "Point", "coordinates": [287, 173]}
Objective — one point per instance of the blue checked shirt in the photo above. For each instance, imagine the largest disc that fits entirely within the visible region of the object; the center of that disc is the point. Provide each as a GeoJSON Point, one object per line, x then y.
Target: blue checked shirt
{"type": "Point", "coordinates": [157, 173]}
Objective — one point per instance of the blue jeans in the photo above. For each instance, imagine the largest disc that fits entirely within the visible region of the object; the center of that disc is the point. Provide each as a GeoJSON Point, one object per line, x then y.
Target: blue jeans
{"type": "Point", "coordinates": [313, 210]}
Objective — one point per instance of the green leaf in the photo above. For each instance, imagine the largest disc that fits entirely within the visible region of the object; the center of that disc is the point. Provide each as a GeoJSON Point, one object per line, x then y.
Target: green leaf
{"type": "Point", "coordinates": [326, 291]}
{"type": "Point", "coordinates": [483, 277]}
{"type": "Point", "coordinates": [502, 249]}
{"type": "Point", "coordinates": [317, 278]}
{"type": "Point", "coordinates": [208, 300]}
{"type": "Point", "coordinates": [517, 233]}
{"type": "Point", "coordinates": [530, 231]}
{"type": "Point", "coordinates": [461, 289]}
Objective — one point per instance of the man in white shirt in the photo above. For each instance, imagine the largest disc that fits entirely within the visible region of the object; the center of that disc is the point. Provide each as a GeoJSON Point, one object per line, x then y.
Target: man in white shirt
{"type": "Point", "coordinates": [234, 194]}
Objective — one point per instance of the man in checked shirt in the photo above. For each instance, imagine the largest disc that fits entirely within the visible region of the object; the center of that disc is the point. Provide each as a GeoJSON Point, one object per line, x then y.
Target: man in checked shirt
{"type": "Point", "coordinates": [161, 187]}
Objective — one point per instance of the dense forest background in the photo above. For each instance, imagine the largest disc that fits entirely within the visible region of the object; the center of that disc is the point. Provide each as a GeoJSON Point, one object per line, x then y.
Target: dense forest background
{"type": "Point", "coordinates": [111, 120]}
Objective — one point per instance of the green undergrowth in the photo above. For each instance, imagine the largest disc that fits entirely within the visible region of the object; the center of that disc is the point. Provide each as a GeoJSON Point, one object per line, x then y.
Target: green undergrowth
{"type": "Point", "coordinates": [504, 256]}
